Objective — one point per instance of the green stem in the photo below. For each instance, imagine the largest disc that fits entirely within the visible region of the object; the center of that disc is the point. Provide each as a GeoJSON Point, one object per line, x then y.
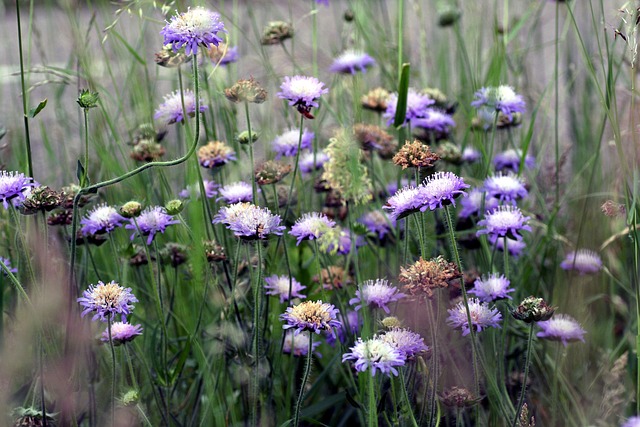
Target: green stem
{"type": "Point", "coordinates": [505, 253]}
{"type": "Point", "coordinates": [305, 377]}
{"type": "Point", "coordinates": [85, 173]}
{"type": "Point", "coordinates": [16, 283]}
{"type": "Point", "coordinates": [257, 300]}
{"type": "Point", "coordinates": [113, 374]}
{"type": "Point", "coordinates": [254, 188]}
{"type": "Point", "coordinates": [24, 94]}
{"type": "Point", "coordinates": [527, 362]}
{"type": "Point", "coordinates": [295, 169]}
{"type": "Point", "coordinates": [372, 413]}
{"type": "Point", "coordinates": [405, 394]}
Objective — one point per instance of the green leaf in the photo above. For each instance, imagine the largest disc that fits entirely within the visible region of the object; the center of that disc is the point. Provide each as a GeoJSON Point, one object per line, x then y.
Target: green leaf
{"type": "Point", "coordinates": [403, 89]}
{"type": "Point", "coordinates": [34, 111]}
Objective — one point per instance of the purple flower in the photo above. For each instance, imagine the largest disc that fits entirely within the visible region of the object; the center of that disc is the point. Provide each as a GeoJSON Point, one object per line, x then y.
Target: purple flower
{"type": "Point", "coordinates": [506, 187]}
{"type": "Point", "coordinates": [14, 187]}
{"type": "Point", "coordinates": [515, 247]}
{"type": "Point", "coordinates": [121, 332]}
{"type": "Point", "coordinates": [215, 154]}
{"type": "Point", "coordinates": [502, 98]}
{"type": "Point", "coordinates": [7, 263]}
{"type": "Point", "coordinates": [350, 323]}
{"type": "Point", "coordinates": [417, 104]}
{"type": "Point", "coordinates": [338, 240]}
{"type": "Point", "coordinates": [482, 316]}
{"type": "Point", "coordinates": [510, 159]}
{"type": "Point", "coordinates": [476, 203]}
{"type": "Point", "coordinates": [405, 202]}
{"type": "Point", "coordinates": [302, 92]}
{"type": "Point", "coordinates": [248, 221]}
{"type": "Point", "coordinates": [375, 354]}
{"type": "Point", "coordinates": [583, 261]}
{"type": "Point", "coordinates": [408, 343]}
{"type": "Point", "coordinates": [470, 155]}
{"type": "Point", "coordinates": [378, 222]}
{"type": "Point", "coordinates": [298, 344]}
{"type": "Point", "coordinates": [102, 219]}
{"type": "Point", "coordinates": [376, 293]}
{"type": "Point", "coordinates": [197, 26]}
{"type": "Point", "coordinates": [287, 143]}
{"type": "Point", "coordinates": [210, 190]}
{"type": "Point", "coordinates": [440, 189]}
{"type": "Point", "coordinates": [351, 61]}
{"type": "Point", "coordinates": [230, 56]}
{"type": "Point", "coordinates": [434, 120]}
{"type": "Point", "coordinates": [504, 221]}
{"type": "Point", "coordinates": [170, 111]}
{"type": "Point", "coordinates": [632, 422]}
{"type": "Point", "coordinates": [324, 2]}
{"type": "Point", "coordinates": [236, 192]}
{"type": "Point", "coordinates": [151, 221]}
{"type": "Point", "coordinates": [311, 226]}
{"type": "Point", "coordinates": [563, 328]}
{"type": "Point", "coordinates": [279, 285]}
{"type": "Point", "coordinates": [492, 288]}
{"type": "Point", "coordinates": [316, 316]}
{"type": "Point", "coordinates": [392, 187]}
{"type": "Point", "coordinates": [307, 164]}
{"type": "Point", "coordinates": [107, 300]}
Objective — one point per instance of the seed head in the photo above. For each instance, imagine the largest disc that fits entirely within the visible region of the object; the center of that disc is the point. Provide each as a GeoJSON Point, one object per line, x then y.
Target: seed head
{"type": "Point", "coordinates": [415, 154]}
{"type": "Point", "coordinates": [533, 309]}
{"type": "Point", "coordinates": [421, 278]}
{"type": "Point", "coordinates": [276, 32]}
{"type": "Point", "coordinates": [246, 90]}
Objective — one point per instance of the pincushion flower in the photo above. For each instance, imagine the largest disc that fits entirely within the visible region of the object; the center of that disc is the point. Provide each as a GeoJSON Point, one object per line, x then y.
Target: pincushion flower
{"type": "Point", "coordinates": [210, 190]}
{"type": "Point", "coordinates": [492, 288]}
{"type": "Point", "coordinates": [352, 61]}
{"type": "Point", "coordinates": [434, 120]}
{"type": "Point", "coordinates": [197, 26]}
{"type": "Point", "coordinates": [405, 201]}
{"type": "Point", "coordinates": [215, 154]}
{"type": "Point", "coordinates": [222, 54]}
{"type": "Point", "coordinates": [505, 187]}
{"type": "Point", "coordinates": [510, 159]}
{"type": "Point", "coordinates": [279, 286]}
{"type": "Point", "coordinates": [378, 223]}
{"type": "Point", "coordinates": [417, 104]}
{"type": "Point", "coordinates": [151, 221]}
{"type": "Point", "coordinates": [107, 300]}
{"type": "Point", "coordinates": [470, 155]}
{"type": "Point", "coordinates": [633, 421]}
{"type": "Point", "coordinates": [298, 345]}
{"type": "Point", "coordinates": [376, 355]}
{"type": "Point", "coordinates": [287, 143]}
{"type": "Point", "coordinates": [14, 187]}
{"type": "Point", "coordinates": [376, 293]}
{"type": "Point", "coordinates": [502, 98]}
{"type": "Point", "coordinates": [308, 164]}
{"type": "Point", "coordinates": [248, 221]}
{"type": "Point", "coordinates": [236, 192]}
{"type": "Point", "coordinates": [102, 219]}
{"type": "Point", "coordinates": [407, 342]}
{"type": "Point", "coordinates": [312, 316]}
{"type": "Point", "coordinates": [476, 202]}
{"type": "Point", "coordinates": [311, 226]}
{"type": "Point", "coordinates": [350, 324]}
{"type": "Point", "coordinates": [302, 92]}
{"type": "Point", "coordinates": [515, 247]}
{"type": "Point", "coordinates": [563, 328]}
{"type": "Point", "coordinates": [583, 261]}
{"type": "Point", "coordinates": [482, 316]}
{"type": "Point", "coordinates": [440, 189]}
{"type": "Point", "coordinates": [121, 332]}
{"type": "Point", "coordinates": [171, 111]}
{"type": "Point", "coordinates": [504, 221]}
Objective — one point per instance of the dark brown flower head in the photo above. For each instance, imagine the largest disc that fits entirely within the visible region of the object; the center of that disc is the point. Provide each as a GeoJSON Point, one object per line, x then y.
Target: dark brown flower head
{"type": "Point", "coordinates": [321, 186]}
{"type": "Point", "coordinates": [70, 191]}
{"type": "Point", "coordinates": [533, 309]}
{"type": "Point", "coordinates": [613, 209]}
{"type": "Point", "coordinates": [421, 278]}
{"type": "Point", "coordinates": [334, 200]}
{"type": "Point", "coordinates": [214, 251]}
{"type": "Point", "coordinates": [448, 13]}
{"type": "Point", "coordinates": [146, 132]}
{"type": "Point", "coordinates": [334, 277]}
{"type": "Point", "coordinates": [276, 32]}
{"type": "Point", "coordinates": [174, 254]}
{"type": "Point", "coordinates": [139, 257]}
{"type": "Point", "coordinates": [503, 122]}
{"type": "Point", "coordinates": [41, 199]}
{"type": "Point", "coordinates": [60, 217]}
{"type": "Point", "coordinates": [373, 138]}
{"type": "Point", "coordinates": [415, 154]}
{"type": "Point", "coordinates": [271, 172]}
{"type": "Point", "coordinates": [31, 417]}
{"type": "Point", "coordinates": [92, 239]}
{"type": "Point", "coordinates": [217, 53]}
{"type": "Point", "coordinates": [170, 59]}
{"type": "Point", "coordinates": [147, 150]}
{"type": "Point", "coordinates": [376, 100]}
{"type": "Point", "coordinates": [246, 91]}
{"type": "Point", "coordinates": [449, 152]}
{"type": "Point", "coordinates": [458, 397]}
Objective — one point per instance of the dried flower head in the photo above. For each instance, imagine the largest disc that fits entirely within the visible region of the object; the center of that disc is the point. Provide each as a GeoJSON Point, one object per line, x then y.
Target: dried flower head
{"type": "Point", "coordinates": [376, 100]}
{"type": "Point", "coordinates": [421, 278]}
{"type": "Point", "coordinates": [613, 209]}
{"type": "Point", "coordinates": [416, 155]}
{"type": "Point", "coordinates": [174, 254]}
{"type": "Point", "coordinates": [197, 26]}
{"type": "Point", "coordinates": [276, 32]}
{"type": "Point", "coordinates": [373, 138]}
{"type": "Point", "coordinates": [458, 397]}
{"type": "Point", "coordinates": [169, 58]}
{"type": "Point", "coordinates": [533, 309]}
{"type": "Point", "coordinates": [246, 90]}
{"type": "Point", "coordinates": [31, 417]}
{"type": "Point", "coordinates": [222, 54]}
{"type": "Point", "coordinates": [215, 154]}
{"type": "Point", "coordinates": [312, 316]}
{"type": "Point", "coordinates": [271, 172]}
{"type": "Point", "coordinates": [214, 251]}
{"type": "Point", "coordinates": [333, 277]}
{"type": "Point", "coordinates": [147, 150]}
{"type": "Point", "coordinates": [107, 300]}
{"type": "Point", "coordinates": [41, 199]}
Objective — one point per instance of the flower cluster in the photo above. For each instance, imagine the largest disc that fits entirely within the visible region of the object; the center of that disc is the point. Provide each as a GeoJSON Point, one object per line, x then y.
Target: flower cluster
{"type": "Point", "coordinates": [283, 287]}
{"type": "Point", "coordinates": [172, 110]}
{"type": "Point", "coordinates": [482, 316]}
{"type": "Point", "coordinates": [248, 221]}
{"type": "Point", "coordinates": [14, 187]}
{"type": "Point", "coordinates": [197, 26]}
{"type": "Point", "coordinates": [376, 293]}
{"type": "Point", "coordinates": [312, 316]}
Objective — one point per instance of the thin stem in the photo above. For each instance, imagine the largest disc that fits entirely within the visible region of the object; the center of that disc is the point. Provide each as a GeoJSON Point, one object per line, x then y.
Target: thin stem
{"type": "Point", "coordinates": [305, 377]}
{"type": "Point", "coordinates": [85, 172]}
{"type": "Point", "coordinates": [527, 362]}
{"type": "Point", "coordinates": [505, 253]}
{"type": "Point", "coordinates": [16, 283]}
{"type": "Point", "coordinates": [254, 188]}
{"type": "Point", "coordinates": [372, 412]}
{"type": "Point", "coordinates": [24, 94]}
{"type": "Point", "coordinates": [405, 394]}
{"type": "Point", "coordinates": [295, 169]}
{"type": "Point", "coordinates": [257, 300]}
{"type": "Point", "coordinates": [113, 374]}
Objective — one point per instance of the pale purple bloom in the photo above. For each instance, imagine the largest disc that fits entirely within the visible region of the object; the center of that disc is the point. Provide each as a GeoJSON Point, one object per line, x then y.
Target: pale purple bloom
{"type": "Point", "coordinates": [306, 162]}
{"type": "Point", "coordinates": [505, 187]}
{"type": "Point", "coordinates": [230, 56]}
{"type": "Point", "coordinates": [170, 111]}
{"type": "Point", "coordinates": [302, 92]}
{"type": "Point", "coordinates": [492, 288]}
{"type": "Point", "coordinates": [7, 263]}
{"type": "Point", "coordinates": [311, 226]}
{"type": "Point", "coordinates": [482, 316]}
{"type": "Point", "coordinates": [342, 244]}
{"type": "Point", "coordinates": [407, 342]}
{"type": "Point", "coordinates": [440, 189]}
{"type": "Point", "coordinates": [102, 219]}
{"type": "Point", "coordinates": [434, 120]}
{"type": "Point", "coordinates": [298, 345]}
{"type": "Point", "coordinates": [476, 202]}
{"type": "Point", "coordinates": [14, 187]}
{"type": "Point", "coordinates": [376, 355]}
{"type": "Point", "coordinates": [152, 220]}
{"type": "Point", "coordinates": [107, 300]}
{"type": "Point", "coordinates": [504, 221]}
{"type": "Point", "coordinates": [563, 328]}
{"type": "Point", "coordinates": [210, 190]}
{"type": "Point", "coordinates": [470, 155]}
{"type": "Point", "coordinates": [279, 286]}
{"type": "Point", "coordinates": [287, 143]}
{"type": "Point", "coordinates": [316, 316]}
{"type": "Point", "coordinates": [352, 61]}
{"type": "Point", "coordinates": [121, 332]}
{"type": "Point", "coordinates": [350, 323]}
{"type": "Point", "coordinates": [197, 26]}
{"type": "Point", "coordinates": [392, 187]}
{"type": "Point", "coordinates": [248, 221]}
{"type": "Point", "coordinates": [324, 2]}
{"type": "Point", "coordinates": [236, 192]}
{"type": "Point", "coordinates": [515, 247]}
{"type": "Point", "coordinates": [417, 104]}
{"type": "Point", "coordinates": [510, 159]}
{"type": "Point", "coordinates": [632, 422]}
{"type": "Point", "coordinates": [378, 222]}
{"type": "Point", "coordinates": [502, 98]}
{"type": "Point", "coordinates": [583, 261]}
{"type": "Point", "coordinates": [405, 202]}
{"type": "Point", "coordinates": [376, 293]}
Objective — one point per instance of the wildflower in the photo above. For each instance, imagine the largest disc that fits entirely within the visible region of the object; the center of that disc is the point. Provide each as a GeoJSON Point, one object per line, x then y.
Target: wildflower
{"type": "Point", "coordinates": [583, 261]}
{"type": "Point", "coordinates": [121, 332]}
{"type": "Point", "coordinates": [40, 199]}
{"type": "Point", "coordinates": [441, 188]}
{"type": "Point", "coordinates": [434, 120]}
{"type": "Point", "coordinates": [246, 90]}
{"type": "Point", "coordinates": [60, 217]}
{"type": "Point", "coordinates": [215, 154]}
{"type": "Point", "coordinates": [236, 192]}
{"type": "Point", "coordinates": [107, 300]}
{"type": "Point", "coordinates": [302, 92]}
{"type": "Point", "coordinates": [7, 264]}
{"type": "Point", "coordinates": [222, 54]}
{"type": "Point", "coordinates": [298, 345]}
{"type": "Point", "coordinates": [458, 397]}
{"type": "Point", "coordinates": [373, 138]}
{"type": "Point", "coordinates": [214, 251]}
{"type": "Point", "coordinates": [14, 187]}
{"type": "Point", "coordinates": [492, 288]}
{"type": "Point", "coordinates": [633, 421]}
{"type": "Point", "coordinates": [613, 209]}
{"type": "Point", "coordinates": [352, 61]}
{"type": "Point", "coordinates": [210, 190]}
{"type": "Point", "coordinates": [376, 100]}
{"type": "Point", "coordinates": [170, 59]}
{"type": "Point", "coordinates": [308, 164]}
{"type": "Point", "coordinates": [510, 159]}
{"type": "Point", "coordinates": [312, 316]}
{"type": "Point", "coordinates": [415, 154]}
{"type": "Point", "coordinates": [276, 32]}
{"type": "Point", "coordinates": [515, 247]}
{"type": "Point", "coordinates": [197, 26]}
{"type": "Point", "coordinates": [31, 417]}
{"type": "Point", "coordinates": [375, 354]}
{"type": "Point", "coordinates": [174, 207]}
{"type": "Point", "coordinates": [88, 99]}
{"type": "Point", "coordinates": [423, 277]}
{"type": "Point", "coordinates": [417, 103]}
{"type": "Point", "coordinates": [271, 172]}
{"type": "Point", "coordinates": [248, 221]}
{"type": "Point", "coordinates": [504, 221]}
{"type": "Point", "coordinates": [171, 111]}
{"type": "Point", "coordinates": [502, 98]}
{"type": "Point", "coordinates": [379, 223]}
{"type": "Point", "coordinates": [376, 293]}
{"type": "Point", "coordinates": [151, 221]}
{"type": "Point", "coordinates": [311, 226]}
{"type": "Point", "coordinates": [533, 309]}
{"type": "Point", "coordinates": [563, 328]}
{"type": "Point", "coordinates": [174, 254]}
{"type": "Point", "coordinates": [333, 277]}
{"type": "Point", "coordinates": [470, 155]}
{"type": "Point", "coordinates": [102, 219]}
{"type": "Point", "coordinates": [147, 150]}
{"type": "Point", "coordinates": [505, 187]}
{"type": "Point", "coordinates": [287, 143]}
{"type": "Point", "coordinates": [475, 202]}
{"type": "Point", "coordinates": [408, 343]}
{"type": "Point", "coordinates": [482, 316]}
{"type": "Point", "coordinates": [405, 202]}
{"type": "Point", "coordinates": [279, 286]}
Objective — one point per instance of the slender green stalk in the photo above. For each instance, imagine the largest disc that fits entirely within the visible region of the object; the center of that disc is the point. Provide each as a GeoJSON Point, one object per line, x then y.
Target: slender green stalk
{"type": "Point", "coordinates": [295, 169]}
{"type": "Point", "coordinates": [372, 410]}
{"type": "Point", "coordinates": [85, 173]}
{"type": "Point", "coordinates": [400, 13]}
{"type": "Point", "coordinates": [254, 188]}
{"type": "Point", "coordinates": [305, 377]}
{"type": "Point", "coordinates": [113, 374]}
{"type": "Point", "coordinates": [405, 394]}
{"type": "Point", "coordinates": [527, 362]}
{"type": "Point", "coordinates": [505, 254]}
{"type": "Point", "coordinates": [257, 305]}
{"type": "Point", "coordinates": [23, 89]}
{"type": "Point", "coordinates": [15, 282]}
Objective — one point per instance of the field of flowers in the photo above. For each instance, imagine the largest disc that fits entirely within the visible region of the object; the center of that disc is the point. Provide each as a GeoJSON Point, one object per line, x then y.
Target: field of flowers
{"type": "Point", "coordinates": [319, 213]}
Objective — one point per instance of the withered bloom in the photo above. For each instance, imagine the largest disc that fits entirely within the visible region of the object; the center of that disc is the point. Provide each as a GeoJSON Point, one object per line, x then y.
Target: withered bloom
{"type": "Point", "coordinates": [276, 32]}
{"type": "Point", "coordinates": [458, 397]}
{"type": "Point", "coordinates": [214, 251]}
{"type": "Point", "coordinates": [147, 150]}
{"type": "Point", "coordinates": [613, 209]}
{"type": "Point", "coordinates": [533, 309]}
{"type": "Point", "coordinates": [415, 154]}
{"type": "Point", "coordinates": [421, 278]}
{"type": "Point", "coordinates": [174, 254]}
{"type": "Point", "coordinates": [41, 199]}
{"type": "Point", "coordinates": [376, 100]}
{"type": "Point", "coordinates": [333, 277]}
{"type": "Point", "coordinates": [371, 137]}
{"type": "Point", "coordinates": [271, 172]}
{"type": "Point", "coordinates": [170, 59]}
{"type": "Point", "coordinates": [246, 90]}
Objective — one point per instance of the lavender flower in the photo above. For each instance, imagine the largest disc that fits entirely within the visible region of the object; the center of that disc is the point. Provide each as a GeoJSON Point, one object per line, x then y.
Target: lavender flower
{"type": "Point", "coordinates": [376, 293]}
{"type": "Point", "coordinates": [121, 332]}
{"type": "Point", "coordinates": [170, 111]}
{"type": "Point", "coordinates": [311, 226]}
{"type": "Point", "coordinates": [506, 187]}
{"type": "Point", "coordinates": [107, 300]}
{"type": "Point", "coordinates": [324, 2]}
{"type": "Point", "coordinates": [563, 328]}
{"type": "Point", "coordinates": [302, 92]}
{"type": "Point", "coordinates": [338, 240]}
{"type": "Point", "coordinates": [350, 324]}
{"type": "Point", "coordinates": [217, 54]}
{"type": "Point", "coordinates": [279, 285]}
{"type": "Point", "coordinates": [287, 143]}
{"type": "Point", "coordinates": [440, 189]}
{"type": "Point", "coordinates": [352, 61]}
{"type": "Point", "coordinates": [248, 221]}
{"type": "Point", "coordinates": [215, 154]}
{"type": "Point", "coordinates": [510, 159]}
{"type": "Point", "coordinates": [482, 316]}
{"type": "Point", "coordinates": [307, 164]}
{"type": "Point", "coordinates": [583, 261]}
{"type": "Point", "coordinates": [515, 247]}
{"type": "Point", "coordinates": [416, 106]}
{"type": "Point", "coordinates": [504, 221]}
{"type": "Point", "coordinates": [434, 120]}
{"type": "Point", "coordinates": [14, 187]}
{"type": "Point", "coordinates": [375, 354]}
{"type": "Point", "coordinates": [236, 192]}
{"type": "Point", "coordinates": [316, 316]}
{"type": "Point", "coordinates": [492, 288]}
{"type": "Point", "coordinates": [470, 155]}
{"type": "Point", "coordinates": [298, 344]}
{"type": "Point", "coordinates": [151, 221]}
{"type": "Point", "coordinates": [102, 219]}
{"type": "Point", "coordinates": [502, 98]}
{"type": "Point", "coordinates": [476, 203]}
{"type": "Point", "coordinates": [378, 222]}
{"type": "Point", "coordinates": [405, 202]}
{"type": "Point", "coordinates": [392, 187]}
{"type": "Point", "coordinates": [210, 190]}
{"type": "Point", "coordinates": [197, 26]}
{"type": "Point", "coordinates": [7, 263]}
{"type": "Point", "coordinates": [632, 422]}
{"type": "Point", "coordinates": [408, 343]}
